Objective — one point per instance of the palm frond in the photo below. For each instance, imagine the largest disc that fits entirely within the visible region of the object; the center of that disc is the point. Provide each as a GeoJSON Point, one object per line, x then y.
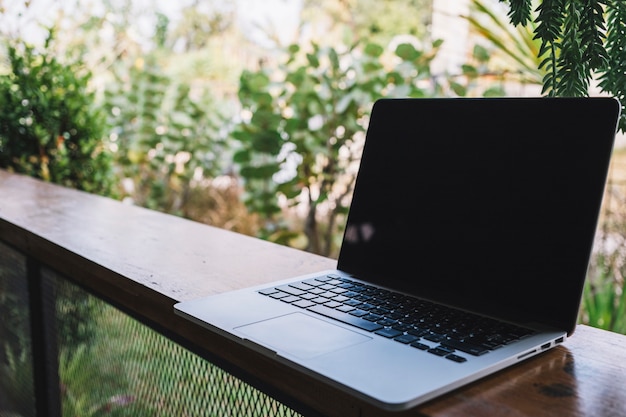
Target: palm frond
{"type": "Point", "coordinates": [515, 45]}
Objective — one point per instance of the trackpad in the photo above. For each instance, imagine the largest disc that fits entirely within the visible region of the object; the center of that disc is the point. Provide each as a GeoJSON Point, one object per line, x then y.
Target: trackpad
{"type": "Point", "coordinates": [301, 335]}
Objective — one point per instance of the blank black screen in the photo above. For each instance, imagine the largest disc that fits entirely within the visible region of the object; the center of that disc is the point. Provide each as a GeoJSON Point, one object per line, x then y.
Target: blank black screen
{"type": "Point", "coordinates": [487, 204]}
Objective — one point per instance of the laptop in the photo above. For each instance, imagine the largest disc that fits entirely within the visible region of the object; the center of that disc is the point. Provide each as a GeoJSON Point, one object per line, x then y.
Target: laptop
{"type": "Point", "coordinates": [465, 250]}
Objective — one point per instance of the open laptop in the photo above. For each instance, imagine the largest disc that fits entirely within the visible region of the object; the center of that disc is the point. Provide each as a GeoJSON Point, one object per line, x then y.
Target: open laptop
{"type": "Point", "coordinates": [465, 250]}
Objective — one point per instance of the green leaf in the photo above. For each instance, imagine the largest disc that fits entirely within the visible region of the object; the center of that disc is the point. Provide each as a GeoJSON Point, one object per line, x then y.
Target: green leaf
{"type": "Point", "coordinates": [242, 156]}
{"type": "Point", "coordinates": [458, 89]}
{"type": "Point", "coordinates": [469, 70]}
{"type": "Point", "coordinates": [373, 50]}
{"type": "Point", "coordinates": [407, 52]}
{"type": "Point", "coordinates": [259, 172]}
{"type": "Point", "coordinates": [496, 91]}
{"type": "Point", "coordinates": [519, 11]}
{"type": "Point", "coordinates": [267, 142]}
{"type": "Point", "coordinates": [481, 53]}
{"type": "Point", "coordinates": [257, 81]}
{"type": "Point", "coordinates": [290, 189]}
{"type": "Point", "coordinates": [262, 98]}
{"type": "Point", "coordinates": [313, 60]}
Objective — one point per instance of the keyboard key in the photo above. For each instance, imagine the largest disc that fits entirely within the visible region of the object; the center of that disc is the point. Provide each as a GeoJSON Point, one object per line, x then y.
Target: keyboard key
{"type": "Point", "coordinates": [346, 318]}
{"type": "Point", "coordinates": [406, 339]}
{"type": "Point", "coordinates": [313, 282]}
{"type": "Point", "coordinates": [268, 291]}
{"type": "Point", "coordinates": [402, 327]}
{"type": "Point", "coordinates": [359, 313]}
{"type": "Point", "coordinates": [333, 304]}
{"type": "Point", "coordinates": [420, 345]}
{"type": "Point", "coordinates": [465, 347]}
{"type": "Point", "coordinates": [456, 358]}
{"type": "Point", "coordinates": [439, 351]}
{"type": "Point", "coordinates": [308, 296]}
{"type": "Point", "coordinates": [433, 337]}
{"type": "Point", "coordinates": [328, 294]}
{"type": "Point", "coordinates": [387, 322]}
{"type": "Point", "coordinates": [301, 286]}
{"type": "Point", "coordinates": [372, 317]}
{"type": "Point", "coordinates": [290, 290]}
{"type": "Point", "coordinates": [387, 332]}
{"type": "Point", "coordinates": [279, 294]}
{"type": "Point", "coordinates": [416, 331]}
{"type": "Point", "coordinates": [325, 278]}
{"type": "Point", "coordinates": [303, 304]}
{"type": "Point", "coordinates": [290, 299]}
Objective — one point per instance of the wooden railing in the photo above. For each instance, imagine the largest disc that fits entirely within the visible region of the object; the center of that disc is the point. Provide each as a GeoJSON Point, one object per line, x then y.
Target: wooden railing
{"type": "Point", "coordinates": [141, 263]}
{"type": "Point", "coordinates": [137, 260]}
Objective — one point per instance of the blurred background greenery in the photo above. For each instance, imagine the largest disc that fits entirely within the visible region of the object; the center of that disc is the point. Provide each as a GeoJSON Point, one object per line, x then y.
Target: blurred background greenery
{"type": "Point", "coordinates": [250, 117]}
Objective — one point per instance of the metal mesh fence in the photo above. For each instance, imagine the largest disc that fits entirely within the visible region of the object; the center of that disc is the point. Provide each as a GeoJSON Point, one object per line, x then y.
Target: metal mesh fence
{"type": "Point", "coordinates": [109, 363]}
{"type": "Point", "coordinates": [16, 371]}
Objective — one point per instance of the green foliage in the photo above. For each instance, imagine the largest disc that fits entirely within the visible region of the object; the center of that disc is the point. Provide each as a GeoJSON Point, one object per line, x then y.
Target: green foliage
{"type": "Point", "coordinates": [604, 298]}
{"type": "Point", "coordinates": [16, 362]}
{"type": "Point", "coordinates": [16, 380]}
{"type": "Point", "coordinates": [88, 388]}
{"type": "Point", "coordinates": [513, 46]}
{"type": "Point", "coordinates": [612, 77]}
{"type": "Point", "coordinates": [519, 12]}
{"type": "Point", "coordinates": [580, 40]}
{"type": "Point", "coordinates": [49, 126]}
{"type": "Point", "coordinates": [165, 135]}
{"type": "Point", "coordinates": [303, 125]}
{"type": "Point", "coordinates": [76, 312]}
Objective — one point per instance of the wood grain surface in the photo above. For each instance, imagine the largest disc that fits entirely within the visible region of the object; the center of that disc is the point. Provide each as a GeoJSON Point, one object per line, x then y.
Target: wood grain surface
{"type": "Point", "coordinates": [145, 261]}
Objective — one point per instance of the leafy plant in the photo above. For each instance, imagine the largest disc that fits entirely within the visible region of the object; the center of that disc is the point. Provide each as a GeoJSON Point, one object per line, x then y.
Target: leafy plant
{"type": "Point", "coordinates": [514, 48]}
{"type": "Point", "coordinates": [84, 389]}
{"type": "Point", "coordinates": [49, 126]}
{"type": "Point", "coordinates": [580, 40]}
{"type": "Point", "coordinates": [16, 362]}
{"type": "Point", "coordinates": [302, 127]}
{"type": "Point", "coordinates": [16, 380]}
{"type": "Point", "coordinates": [604, 298]}
{"type": "Point", "coordinates": [166, 136]}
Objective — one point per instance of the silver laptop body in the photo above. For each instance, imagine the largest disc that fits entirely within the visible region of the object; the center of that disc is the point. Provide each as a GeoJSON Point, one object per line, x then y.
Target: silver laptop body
{"type": "Point", "coordinates": [476, 210]}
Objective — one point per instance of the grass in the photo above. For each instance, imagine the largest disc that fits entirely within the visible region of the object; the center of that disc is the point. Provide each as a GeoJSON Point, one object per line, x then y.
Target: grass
{"type": "Point", "coordinates": [130, 370]}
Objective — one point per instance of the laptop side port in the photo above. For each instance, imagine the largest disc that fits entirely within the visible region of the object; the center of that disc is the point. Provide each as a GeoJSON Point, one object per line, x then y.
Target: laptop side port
{"type": "Point", "coordinates": [527, 354]}
{"type": "Point", "coordinates": [559, 340]}
{"type": "Point", "coordinates": [545, 346]}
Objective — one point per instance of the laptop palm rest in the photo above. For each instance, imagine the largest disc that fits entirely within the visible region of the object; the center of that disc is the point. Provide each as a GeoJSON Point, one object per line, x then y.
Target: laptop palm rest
{"type": "Point", "coordinates": [301, 335]}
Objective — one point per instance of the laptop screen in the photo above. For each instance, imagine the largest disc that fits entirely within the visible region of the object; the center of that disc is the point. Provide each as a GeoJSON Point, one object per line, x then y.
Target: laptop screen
{"type": "Point", "coordinates": [486, 204]}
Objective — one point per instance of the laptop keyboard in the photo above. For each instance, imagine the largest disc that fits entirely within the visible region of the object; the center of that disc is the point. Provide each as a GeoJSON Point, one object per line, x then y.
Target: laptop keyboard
{"type": "Point", "coordinates": [434, 328]}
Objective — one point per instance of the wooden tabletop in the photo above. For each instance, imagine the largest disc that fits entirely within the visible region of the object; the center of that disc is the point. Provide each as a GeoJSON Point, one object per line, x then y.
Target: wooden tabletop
{"type": "Point", "coordinates": [146, 261]}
